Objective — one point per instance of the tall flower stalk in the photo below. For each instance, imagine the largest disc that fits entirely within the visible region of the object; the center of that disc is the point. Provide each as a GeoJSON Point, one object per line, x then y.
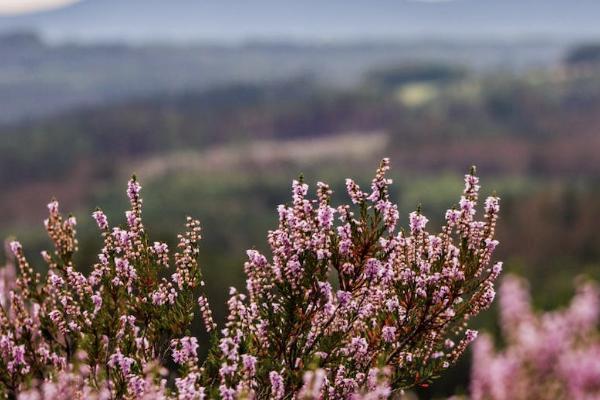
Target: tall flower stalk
{"type": "Point", "coordinates": [345, 306]}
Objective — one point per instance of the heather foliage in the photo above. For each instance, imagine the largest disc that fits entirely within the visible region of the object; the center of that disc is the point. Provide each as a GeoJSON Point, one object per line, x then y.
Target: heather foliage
{"type": "Point", "coordinates": [346, 305]}
{"type": "Point", "coordinates": [552, 355]}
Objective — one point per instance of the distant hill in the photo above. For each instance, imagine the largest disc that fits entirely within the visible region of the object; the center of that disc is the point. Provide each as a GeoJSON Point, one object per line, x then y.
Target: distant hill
{"type": "Point", "coordinates": [37, 78]}
{"type": "Point", "coordinates": [229, 20]}
{"type": "Point", "coordinates": [547, 125]}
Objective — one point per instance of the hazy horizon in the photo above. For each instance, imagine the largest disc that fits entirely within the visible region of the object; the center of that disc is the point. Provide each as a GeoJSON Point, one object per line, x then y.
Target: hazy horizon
{"type": "Point", "coordinates": [137, 21]}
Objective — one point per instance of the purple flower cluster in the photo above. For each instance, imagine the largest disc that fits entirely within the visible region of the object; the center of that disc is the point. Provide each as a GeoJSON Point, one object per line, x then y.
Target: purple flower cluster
{"type": "Point", "coordinates": [400, 297]}
{"type": "Point", "coordinates": [345, 306]}
{"type": "Point", "coordinates": [101, 335]}
{"type": "Point", "coordinates": [552, 355]}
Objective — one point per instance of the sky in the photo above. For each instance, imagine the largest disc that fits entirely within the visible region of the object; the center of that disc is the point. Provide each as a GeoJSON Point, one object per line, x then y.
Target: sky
{"type": "Point", "coordinates": [238, 20]}
{"type": "Point", "coordinates": [16, 7]}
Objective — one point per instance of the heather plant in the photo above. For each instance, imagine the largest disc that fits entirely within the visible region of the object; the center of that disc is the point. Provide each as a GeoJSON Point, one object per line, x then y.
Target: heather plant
{"type": "Point", "coordinates": [552, 355]}
{"type": "Point", "coordinates": [345, 306]}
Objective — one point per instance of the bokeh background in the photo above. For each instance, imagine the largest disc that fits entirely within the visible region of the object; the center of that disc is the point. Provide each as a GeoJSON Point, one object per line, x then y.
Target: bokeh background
{"type": "Point", "coordinates": [216, 105]}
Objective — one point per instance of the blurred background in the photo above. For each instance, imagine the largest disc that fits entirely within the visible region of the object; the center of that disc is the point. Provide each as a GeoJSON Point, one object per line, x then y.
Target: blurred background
{"type": "Point", "coordinates": [218, 105]}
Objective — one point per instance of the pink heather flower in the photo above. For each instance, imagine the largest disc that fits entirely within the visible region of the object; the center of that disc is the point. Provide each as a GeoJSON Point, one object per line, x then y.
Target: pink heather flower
{"type": "Point", "coordinates": [15, 247]}
{"type": "Point", "coordinates": [388, 333]}
{"type": "Point", "coordinates": [471, 184]}
{"type": "Point", "coordinates": [188, 389]}
{"type": "Point", "coordinates": [313, 384]}
{"type": "Point", "coordinates": [435, 245]}
{"type": "Point", "coordinates": [282, 210]}
{"type": "Point", "coordinates": [100, 219]}
{"type": "Point", "coordinates": [136, 386]}
{"type": "Point", "coordinates": [205, 312]}
{"type": "Point", "coordinates": [19, 355]}
{"type": "Point", "coordinates": [249, 363]}
{"type": "Point", "coordinates": [555, 354]}
{"type": "Point", "coordinates": [293, 269]}
{"type": "Point", "coordinates": [344, 298]}
{"type": "Point", "coordinates": [122, 236]}
{"type": "Point", "coordinates": [226, 392]}
{"type": "Point", "coordinates": [497, 268]}
{"type": "Point", "coordinates": [514, 302]}
{"type": "Point", "coordinates": [53, 207]}
{"type": "Point", "coordinates": [417, 222]}
{"type": "Point", "coordinates": [379, 184]}
{"type": "Point", "coordinates": [378, 385]}
{"type": "Point", "coordinates": [491, 244]}
{"type": "Point", "coordinates": [277, 388]}
{"type": "Point", "coordinates": [185, 350]}
{"type": "Point", "coordinates": [326, 216]}
{"type": "Point", "coordinates": [452, 217]}
{"type": "Point", "coordinates": [118, 360]}
{"type": "Point", "coordinates": [159, 297]}
{"type": "Point", "coordinates": [131, 218]}
{"type": "Point", "coordinates": [584, 310]}
{"type": "Point", "coordinates": [97, 301]}
{"type": "Point", "coordinates": [471, 335]}
{"type": "Point", "coordinates": [356, 195]}
{"type": "Point", "coordinates": [189, 345]}
{"type": "Point", "coordinates": [488, 295]}
{"type": "Point", "coordinates": [56, 280]}
{"type": "Point", "coordinates": [55, 316]}
{"type": "Point", "coordinates": [390, 213]}
{"type": "Point", "coordinates": [103, 259]}
{"type": "Point", "coordinates": [467, 206]}
{"type": "Point", "coordinates": [372, 268]}
{"type": "Point", "coordinates": [492, 205]}
{"type": "Point", "coordinates": [299, 190]}
{"type": "Point", "coordinates": [358, 347]}
{"type": "Point", "coordinates": [257, 259]}
{"type": "Point", "coordinates": [160, 248]}
{"type": "Point", "coordinates": [345, 234]}
{"type": "Point", "coordinates": [325, 289]}
{"type": "Point", "coordinates": [229, 347]}
{"type": "Point", "coordinates": [122, 266]}
{"type": "Point", "coordinates": [133, 189]}
{"type": "Point", "coordinates": [579, 370]}
{"type": "Point", "coordinates": [392, 303]}
{"type": "Point", "coordinates": [5, 343]}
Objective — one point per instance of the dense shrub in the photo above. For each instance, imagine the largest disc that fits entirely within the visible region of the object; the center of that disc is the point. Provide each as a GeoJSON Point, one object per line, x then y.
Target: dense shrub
{"type": "Point", "coordinates": [346, 305]}
{"type": "Point", "coordinates": [552, 355]}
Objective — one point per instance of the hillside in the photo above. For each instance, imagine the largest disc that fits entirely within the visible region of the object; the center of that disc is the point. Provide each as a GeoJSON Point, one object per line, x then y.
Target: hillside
{"type": "Point", "coordinates": [38, 78]}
